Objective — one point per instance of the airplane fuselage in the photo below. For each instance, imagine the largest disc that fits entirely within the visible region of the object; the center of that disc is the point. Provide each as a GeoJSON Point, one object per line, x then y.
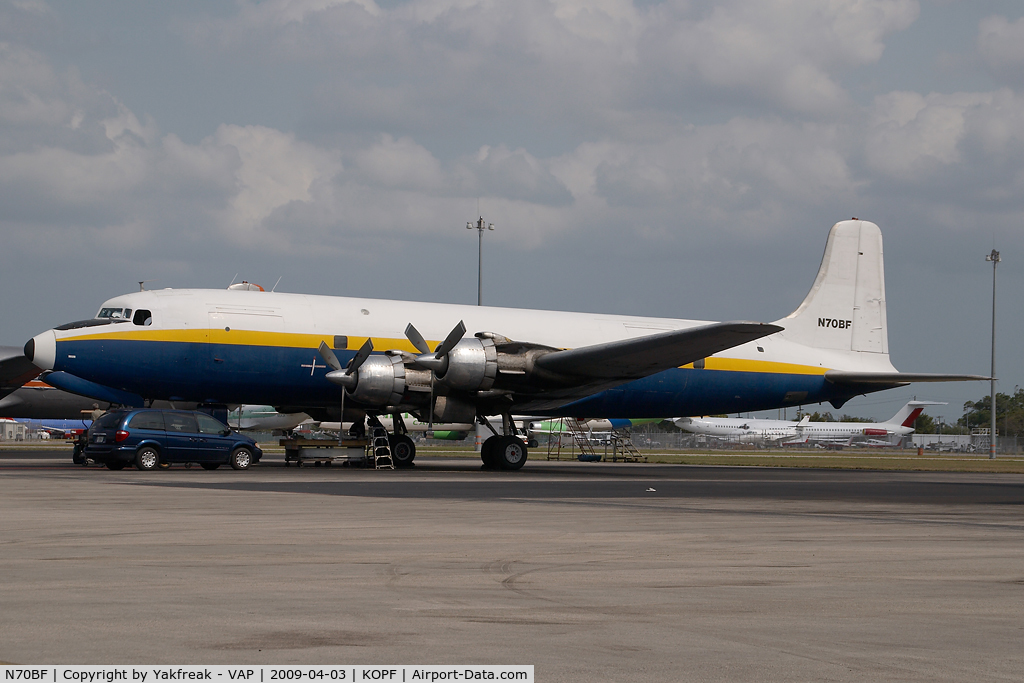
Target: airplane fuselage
{"type": "Point", "coordinates": [235, 347]}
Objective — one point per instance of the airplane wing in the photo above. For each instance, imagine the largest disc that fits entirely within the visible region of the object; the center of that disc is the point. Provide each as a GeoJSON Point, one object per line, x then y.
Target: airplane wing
{"type": "Point", "coordinates": [15, 369]}
{"type": "Point", "coordinates": [895, 378]}
{"type": "Point", "coordinates": [642, 356]}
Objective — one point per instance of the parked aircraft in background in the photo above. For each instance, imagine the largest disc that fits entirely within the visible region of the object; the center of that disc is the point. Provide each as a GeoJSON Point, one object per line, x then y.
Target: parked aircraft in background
{"type": "Point", "coordinates": [592, 426]}
{"type": "Point", "coordinates": [742, 430]}
{"type": "Point", "coordinates": [37, 400]}
{"type": "Point", "coordinates": [264, 419]}
{"type": "Point", "coordinates": [312, 353]}
{"type": "Point", "coordinates": [786, 433]}
{"type": "Point", "coordinates": [15, 370]}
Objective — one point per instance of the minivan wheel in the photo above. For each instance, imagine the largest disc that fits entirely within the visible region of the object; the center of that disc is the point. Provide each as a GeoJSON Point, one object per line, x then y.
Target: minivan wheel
{"type": "Point", "coordinates": [241, 459]}
{"type": "Point", "coordinates": [147, 458]}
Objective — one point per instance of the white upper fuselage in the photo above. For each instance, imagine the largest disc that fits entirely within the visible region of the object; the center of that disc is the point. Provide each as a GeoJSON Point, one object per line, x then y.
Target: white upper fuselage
{"type": "Point", "coordinates": [301, 319]}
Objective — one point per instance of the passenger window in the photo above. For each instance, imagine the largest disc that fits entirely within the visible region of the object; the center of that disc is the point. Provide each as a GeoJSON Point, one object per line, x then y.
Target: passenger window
{"type": "Point", "coordinates": [209, 425]}
{"type": "Point", "coordinates": [182, 423]}
{"type": "Point", "coordinates": [142, 317]}
{"type": "Point", "coordinates": [150, 420]}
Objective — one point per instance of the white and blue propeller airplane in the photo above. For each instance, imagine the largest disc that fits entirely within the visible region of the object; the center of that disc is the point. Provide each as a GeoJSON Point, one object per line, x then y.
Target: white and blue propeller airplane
{"type": "Point", "coordinates": [325, 354]}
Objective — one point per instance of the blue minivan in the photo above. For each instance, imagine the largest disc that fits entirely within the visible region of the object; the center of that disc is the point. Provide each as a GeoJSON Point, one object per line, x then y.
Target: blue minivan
{"type": "Point", "coordinates": [151, 438]}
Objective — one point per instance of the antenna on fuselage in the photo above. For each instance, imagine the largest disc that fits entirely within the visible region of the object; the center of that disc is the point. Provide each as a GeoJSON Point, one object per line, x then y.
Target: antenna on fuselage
{"type": "Point", "coordinates": [276, 284]}
{"type": "Point", "coordinates": [233, 280]}
{"type": "Point", "coordinates": [142, 284]}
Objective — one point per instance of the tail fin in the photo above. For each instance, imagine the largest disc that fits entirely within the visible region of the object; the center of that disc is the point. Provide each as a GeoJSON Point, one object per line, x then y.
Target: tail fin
{"type": "Point", "coordinates": [845, 309]}
{"type": "Point", "coordinates": [910, 412]}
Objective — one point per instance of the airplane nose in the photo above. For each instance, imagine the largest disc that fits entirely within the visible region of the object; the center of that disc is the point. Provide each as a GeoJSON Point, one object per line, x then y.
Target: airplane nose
{"type": "Point", "coordinates": [41, 350]}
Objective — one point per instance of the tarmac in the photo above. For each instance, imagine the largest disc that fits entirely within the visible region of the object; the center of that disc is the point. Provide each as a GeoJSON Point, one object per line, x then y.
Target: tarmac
{"type": "Point", "coordinates": [589, 571]}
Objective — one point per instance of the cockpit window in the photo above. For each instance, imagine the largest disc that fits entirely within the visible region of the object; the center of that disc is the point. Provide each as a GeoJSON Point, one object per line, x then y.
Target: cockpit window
{"type": "Point", "coordinates": [142, 317]}
{"type": "Point", "coordinates": [115, 313]}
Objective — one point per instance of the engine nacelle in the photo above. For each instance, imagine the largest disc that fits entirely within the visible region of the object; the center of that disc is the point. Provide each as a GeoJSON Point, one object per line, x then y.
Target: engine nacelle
{"type": "Point", "coordinates": [471, 365]}
{"type": "Point", "coordinates": [381, 381]}
{"type": "Point", "coordinates": [453, 409]}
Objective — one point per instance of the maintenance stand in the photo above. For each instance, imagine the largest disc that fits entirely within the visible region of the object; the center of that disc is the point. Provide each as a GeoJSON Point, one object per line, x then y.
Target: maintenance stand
{"type": "Point", "coordinates": [374, 450]}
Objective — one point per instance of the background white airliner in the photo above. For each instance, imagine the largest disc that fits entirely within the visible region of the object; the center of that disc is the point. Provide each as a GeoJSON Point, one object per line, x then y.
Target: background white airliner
{"type": "Point", "coordinates": [785, 432]}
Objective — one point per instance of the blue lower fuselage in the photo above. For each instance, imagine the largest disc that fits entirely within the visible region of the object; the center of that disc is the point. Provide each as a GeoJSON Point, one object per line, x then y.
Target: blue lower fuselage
{"type": "Point", "coordinates": [279, 376]}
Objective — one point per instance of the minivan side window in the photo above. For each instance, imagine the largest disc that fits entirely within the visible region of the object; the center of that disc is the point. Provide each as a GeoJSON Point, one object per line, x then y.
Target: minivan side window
{"type": "Point", "coordinates": [151, 420]}
{"type": "Point", "coordinates": [209, 425]}
{"type": "Point", "coordinates": [183, 423]}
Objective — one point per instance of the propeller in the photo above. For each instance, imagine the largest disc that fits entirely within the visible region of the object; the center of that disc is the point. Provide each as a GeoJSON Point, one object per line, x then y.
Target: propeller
{"type": "Point", "coordinates": [347, 378]}
{"type": "Point", "coordinates": [436, 361]}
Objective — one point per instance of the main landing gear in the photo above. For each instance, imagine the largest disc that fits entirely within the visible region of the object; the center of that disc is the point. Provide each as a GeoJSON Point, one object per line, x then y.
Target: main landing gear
{"type": "Point", "coordinates": [403, 450]}
{"type": "Point", "coordinates": [505, 451]}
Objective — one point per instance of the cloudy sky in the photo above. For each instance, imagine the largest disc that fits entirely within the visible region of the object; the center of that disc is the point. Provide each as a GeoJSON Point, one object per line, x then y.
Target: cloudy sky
{"type": "Point", "coordinates": [676, 158]}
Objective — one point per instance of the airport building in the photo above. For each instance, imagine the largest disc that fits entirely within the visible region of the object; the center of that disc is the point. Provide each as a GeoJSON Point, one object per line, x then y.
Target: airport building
{"type": "Point", "coordinates": [12, 431]}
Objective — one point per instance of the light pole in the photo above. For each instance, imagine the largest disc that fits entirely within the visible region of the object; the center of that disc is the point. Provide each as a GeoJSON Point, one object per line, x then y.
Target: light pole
{"type": "Point", "coordinates": [994, 258]}
{"type": "Point", "coordinates": [480, 227]}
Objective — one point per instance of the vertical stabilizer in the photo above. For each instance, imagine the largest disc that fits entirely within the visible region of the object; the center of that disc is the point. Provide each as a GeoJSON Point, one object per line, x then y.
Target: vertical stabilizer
{"type": "Point", "coordinates": [845, 309]}
{"type": "Point", "coordinates": [910, 412]}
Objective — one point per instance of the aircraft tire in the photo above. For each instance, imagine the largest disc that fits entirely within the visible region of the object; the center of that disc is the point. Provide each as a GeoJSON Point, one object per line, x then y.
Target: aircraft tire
{"type": "Point", "coordinates": [241, 459]}
{"type": "Point", "coordinates": [209, 465]}
{"type": "Point", "coordinates": [115, 465]}
{"type": "Point", "coordinates": [510, 453]}
{"type": "Point", "coordinates": [147, 458]}
{"type": "Point", "coordinates": [487, 451]}
{"type": "Point", "coordinates": [403, 450]}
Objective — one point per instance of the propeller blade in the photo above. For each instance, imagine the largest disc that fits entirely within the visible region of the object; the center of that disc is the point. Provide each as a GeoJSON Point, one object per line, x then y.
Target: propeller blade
{"type": "Point", "coordinates": [328, 355]}
{"type": "Point", "coordinates": [414, 336]}
{"type": "Point", "coordinates": [361, 355]}
{"type": "Point", "coordinates": [453, 338]}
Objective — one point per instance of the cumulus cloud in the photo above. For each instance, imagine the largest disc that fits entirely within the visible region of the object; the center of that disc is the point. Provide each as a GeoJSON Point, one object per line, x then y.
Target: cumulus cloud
{"type": "Point", "coordinates": [1000, 44]}
{"type": "Point", "coordinates": [510, 174]}
{"type": "Point", "coordinates": [273, 170]}
{"type": "Point", "coordinates": [584, 64]}
{"type": "Point", "coordinates": [75, 158]}
{"type": "Point", "coordinates": [777, 52]}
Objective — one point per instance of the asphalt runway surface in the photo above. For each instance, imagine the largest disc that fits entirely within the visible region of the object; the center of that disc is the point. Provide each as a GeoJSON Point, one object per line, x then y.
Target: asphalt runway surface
{"type": "Point", "coordinates": [589, 571]}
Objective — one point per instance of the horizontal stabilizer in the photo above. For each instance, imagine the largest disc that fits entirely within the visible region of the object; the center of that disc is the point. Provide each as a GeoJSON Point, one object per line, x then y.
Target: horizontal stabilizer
{"type": "Point", "coordinates": [643, 356]}
{"type": "Point", "coordinates": [845, 377]}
